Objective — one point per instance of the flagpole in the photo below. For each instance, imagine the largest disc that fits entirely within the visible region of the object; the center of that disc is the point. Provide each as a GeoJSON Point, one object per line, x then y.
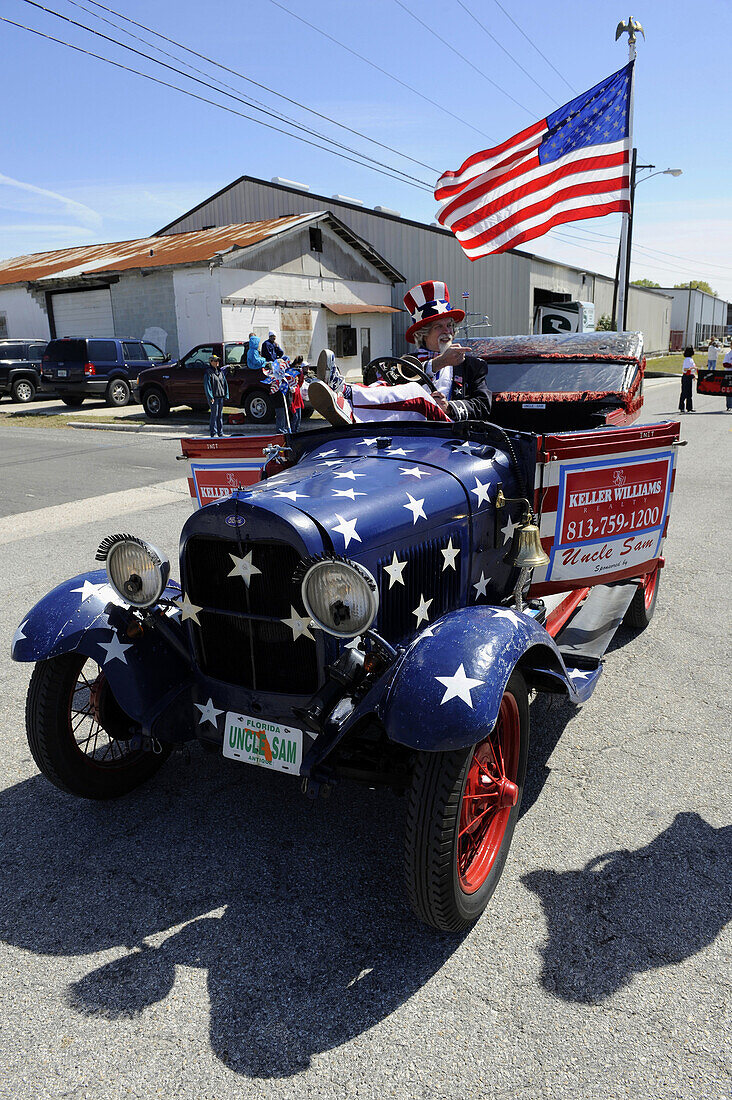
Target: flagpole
{"type": "Point", "coordinates": [622, 275]}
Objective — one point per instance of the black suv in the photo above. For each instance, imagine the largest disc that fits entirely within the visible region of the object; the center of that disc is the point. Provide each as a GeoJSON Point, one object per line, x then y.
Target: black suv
{"type": "Point", "coordinates": [20, 366]}
{"type": "Point", "coordinates": [83, 366]}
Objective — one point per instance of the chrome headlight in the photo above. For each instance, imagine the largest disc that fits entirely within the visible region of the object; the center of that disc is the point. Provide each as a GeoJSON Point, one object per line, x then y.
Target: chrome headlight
{"type": "Point", "coordinates": [340, 596]}
{"type": "Point", "coordinates": [136, 571]}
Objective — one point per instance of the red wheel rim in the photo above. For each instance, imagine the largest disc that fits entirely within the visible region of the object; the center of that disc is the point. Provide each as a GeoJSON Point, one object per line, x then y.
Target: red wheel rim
{"type": "Point", "coordinates": [649, 587]}
{"type": "Point", "coordinates": [489, 795]}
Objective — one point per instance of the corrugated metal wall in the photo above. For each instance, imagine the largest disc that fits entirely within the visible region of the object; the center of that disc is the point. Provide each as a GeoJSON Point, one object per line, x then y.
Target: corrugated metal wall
{"type": "Point", "coordinates": [500, 286]}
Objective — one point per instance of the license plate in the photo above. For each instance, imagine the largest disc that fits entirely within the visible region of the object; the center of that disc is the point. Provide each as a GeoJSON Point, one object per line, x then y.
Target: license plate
{"type": "Point", "coordinates": [266, 744]}
{"type": "Point", "coordinates": [63, 373]}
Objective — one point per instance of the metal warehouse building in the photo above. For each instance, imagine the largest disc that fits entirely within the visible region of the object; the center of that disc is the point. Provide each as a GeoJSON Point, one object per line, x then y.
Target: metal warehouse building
{"type": "Point", "coordinates": [506, 287]}
{"type": "Point", "coordinates": [695, 316]}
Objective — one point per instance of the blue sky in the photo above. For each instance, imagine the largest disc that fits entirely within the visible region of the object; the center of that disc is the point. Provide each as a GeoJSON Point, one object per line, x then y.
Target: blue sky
{"type": "Point", "coordinates": [94, 153]}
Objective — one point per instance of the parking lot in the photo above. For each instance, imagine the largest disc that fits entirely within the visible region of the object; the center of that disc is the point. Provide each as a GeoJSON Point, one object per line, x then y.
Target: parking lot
{"type": "Point", "coordinates": [217, 935]}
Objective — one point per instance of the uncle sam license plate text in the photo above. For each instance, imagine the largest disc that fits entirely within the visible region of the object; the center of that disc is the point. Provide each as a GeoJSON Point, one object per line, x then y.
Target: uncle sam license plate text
{"type": "Point", "coordinates": [266, 744]}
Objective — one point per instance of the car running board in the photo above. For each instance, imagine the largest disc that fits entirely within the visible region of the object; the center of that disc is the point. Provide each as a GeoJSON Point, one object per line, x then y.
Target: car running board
{"type": "Point", "coordinates": [585, 638]}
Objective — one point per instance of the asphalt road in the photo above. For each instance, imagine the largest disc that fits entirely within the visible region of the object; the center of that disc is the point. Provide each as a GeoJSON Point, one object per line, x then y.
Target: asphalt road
{"type": "Point", "coordinates": [215, 935]}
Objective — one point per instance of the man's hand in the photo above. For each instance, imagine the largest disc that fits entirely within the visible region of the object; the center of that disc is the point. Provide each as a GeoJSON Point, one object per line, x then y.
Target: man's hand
{"type": "Point", "coordinates": [440, 400]}
{"type": "Point", "coordinates": [451, 357]}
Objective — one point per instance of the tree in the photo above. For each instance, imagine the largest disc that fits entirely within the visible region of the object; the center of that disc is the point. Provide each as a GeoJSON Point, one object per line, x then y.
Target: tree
{"type": "Point", "coordinates": [605, 323]}
{"type": "Point", "coordinates": [696, 284]}
{"type": "Point", "coordinates": [644, 282]}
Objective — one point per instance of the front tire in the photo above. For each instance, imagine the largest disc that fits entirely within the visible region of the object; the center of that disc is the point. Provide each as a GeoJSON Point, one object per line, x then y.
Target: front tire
{"type": "Point", "coordinates": [73, 402]}
{"type": "Point", "coordinates": [78, 733]}
{"type": "Point", "coordinates": [155, 403]}
{"type": "Point", "coordinates": [462, 811]}
{"type": "Point", "coordinates": [118, 393]}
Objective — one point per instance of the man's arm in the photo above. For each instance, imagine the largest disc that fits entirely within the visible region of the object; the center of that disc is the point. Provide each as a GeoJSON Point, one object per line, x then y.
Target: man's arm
{"type": "Point", "coordinates": [476, 405]}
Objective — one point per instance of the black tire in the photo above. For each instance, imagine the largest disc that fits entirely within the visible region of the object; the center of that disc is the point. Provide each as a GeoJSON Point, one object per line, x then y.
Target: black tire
{"type": "Point", "coordinates": [118, 393]}
{"type": "Point", "coordinates": [23, 390]}
{"type": "Point", "coordinates": [643, 604]}
{"type": "Point", "coordinates": [259, 407]}
{"type": "Point", "coordinates": [307, 412]}
{"type": "Point", "coordinates": [73, 402]}
{"type": "Point", "coordinates": [78, 733]}
{"type": "Point", "coordinates": [437, 861]}
{"type": "Point", "coordinates": [155, 403]}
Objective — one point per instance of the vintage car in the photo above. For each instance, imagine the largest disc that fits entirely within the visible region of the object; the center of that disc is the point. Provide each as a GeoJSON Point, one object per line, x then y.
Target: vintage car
{"type": "Point", "coordinates": [377, 608]}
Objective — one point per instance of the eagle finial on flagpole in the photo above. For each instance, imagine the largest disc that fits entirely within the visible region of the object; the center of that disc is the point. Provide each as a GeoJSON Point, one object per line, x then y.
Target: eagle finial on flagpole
{"type": "Point", "coordinates": [631, 27]}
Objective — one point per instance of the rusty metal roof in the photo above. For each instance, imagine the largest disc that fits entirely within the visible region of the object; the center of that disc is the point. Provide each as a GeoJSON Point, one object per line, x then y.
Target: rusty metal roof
{"type": "Point", "coordinates": [177, 248]}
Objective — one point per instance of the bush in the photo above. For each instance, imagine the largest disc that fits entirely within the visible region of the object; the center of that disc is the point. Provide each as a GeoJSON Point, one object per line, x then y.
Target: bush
{"type": "Point", "coordinates": [605, 323]}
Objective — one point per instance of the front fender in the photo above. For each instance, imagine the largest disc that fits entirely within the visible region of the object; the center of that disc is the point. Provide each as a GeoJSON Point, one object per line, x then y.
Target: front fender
{"type": "Point", "coordinates": [85, 615]}
{"type": "Point", "coordinates": [447, 689]}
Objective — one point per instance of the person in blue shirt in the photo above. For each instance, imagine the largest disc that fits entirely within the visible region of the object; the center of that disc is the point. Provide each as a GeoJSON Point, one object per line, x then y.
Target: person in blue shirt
{"type": "Point", "coordinates": [255, 360]}
{"type": "Point", "coordinates": [217, 392]}
{"type": "Point", "coordinates": [271, 350]}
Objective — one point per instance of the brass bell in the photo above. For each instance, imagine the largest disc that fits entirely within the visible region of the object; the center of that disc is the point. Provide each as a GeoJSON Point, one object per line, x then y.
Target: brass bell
{"type": "Point", "coordinates": [526, 551]}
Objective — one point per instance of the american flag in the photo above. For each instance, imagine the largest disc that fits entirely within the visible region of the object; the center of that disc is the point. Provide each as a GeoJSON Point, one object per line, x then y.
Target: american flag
{"type": "Point", "coordinates": [571, 165]}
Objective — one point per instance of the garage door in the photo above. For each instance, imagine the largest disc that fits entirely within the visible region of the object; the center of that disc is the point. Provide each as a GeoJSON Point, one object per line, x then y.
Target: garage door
{"type": "Point", "coordinates": [84, 313]}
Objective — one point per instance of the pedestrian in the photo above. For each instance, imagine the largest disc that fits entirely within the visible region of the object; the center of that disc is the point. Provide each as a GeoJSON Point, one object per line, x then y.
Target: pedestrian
{"type": "Point", "coordinates": [727, 365]}
{"type": "Point", "coordinates": [712, 352]}
{"type": "Point", "coordinates": [458, 381]}
{"type": "Point", "coordinates": [271, 350]}
{"type": "Point", "coordinates": [287, 378]}
{"type": "Point", "coordinates": [688, 374]}
{"type": "Point", "coordinates": [217, 392]}
{"type": "Point", "coordinates": [296, 403]}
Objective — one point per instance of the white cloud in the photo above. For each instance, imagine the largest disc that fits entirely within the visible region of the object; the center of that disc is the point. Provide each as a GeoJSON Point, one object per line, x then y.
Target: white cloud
{"type": "Point", "coordinates": [38, 199]}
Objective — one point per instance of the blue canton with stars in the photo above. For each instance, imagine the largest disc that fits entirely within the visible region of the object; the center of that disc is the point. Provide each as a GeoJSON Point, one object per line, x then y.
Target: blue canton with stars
{"type": "Point", "coordinates": [596, 117]}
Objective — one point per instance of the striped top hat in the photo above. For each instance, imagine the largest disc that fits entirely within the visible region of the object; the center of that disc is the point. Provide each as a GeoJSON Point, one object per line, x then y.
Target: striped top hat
{"type": "Point", "coordinates": [426, 303]}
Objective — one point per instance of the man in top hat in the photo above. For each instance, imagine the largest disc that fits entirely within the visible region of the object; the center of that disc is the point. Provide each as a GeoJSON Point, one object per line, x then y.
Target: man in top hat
{"type": "Point", "coordinates": [459, 381]}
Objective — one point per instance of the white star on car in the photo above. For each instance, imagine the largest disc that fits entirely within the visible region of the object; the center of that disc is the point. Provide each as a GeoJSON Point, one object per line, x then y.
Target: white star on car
{"type": "Point", "coordinates": [449, 554]}
{"type": "Point", "coordinates": [367, 442]}
{"type": "Point", "coordinates": [188, 610]}
{"type": "Point", "coordinates": [347, 528]}
{"type": "Point", "coordinates": [331, 462]}
{"type": "Point", "coordinates": [291, 496]}
{"type": "Point", "coordinates": [299, 625]}
{"type": "Point", "coordinates": [576, 674]}
{"type": "Point", "coordinates": [326, 454]}
{"type": "Point", "coordinates": [88, 590]}
{"type": "Point", "coordinates": [399, 451]}
{"type": "Point", "coordinates": [395, 570]}
{"type": "Point", "coordinates": [480, 587]}
{"type": "Point", "coordinates": [509, 529]}
{"type": "Point", "coordinates": [243, 567]}
{"type": "Point", "coordinates": [349, 474]}
{"type": "Point", "coordinates": [458, 686]}
{"type": "Point", "coordinates": [422, 609]}
{"type": "Point", "coordinates": [506, 613]}
{"type": "Point", "coordinates": [209, 713]}
{"type": "Point", "coordinates": [415, 507]}
{"type": "Point", "coordinates": [414, 471]}
{"type": "Point", "coordinates": [482, 492]}
{"type": "Point", "coordinates": [350, 493]}
{"type": "Point", "coordinates": [19, 636]}
{"type": "Point", "coordinates": [115, 649]}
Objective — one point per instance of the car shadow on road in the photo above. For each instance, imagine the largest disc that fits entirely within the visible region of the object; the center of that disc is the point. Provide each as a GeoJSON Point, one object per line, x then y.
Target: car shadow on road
{"type": "Point", "coordinates": [294, 909]}
{"type": "Point", "coordinates": [628, 912]}
{"type": "Point", "coordinates": [549, 716]}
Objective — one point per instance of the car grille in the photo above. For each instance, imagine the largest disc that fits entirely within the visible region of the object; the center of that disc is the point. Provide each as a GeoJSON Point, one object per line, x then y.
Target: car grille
{"type": "Point", "coordinates": [241, 639]}
{"type": "Point", "coordinates": [423, 576]}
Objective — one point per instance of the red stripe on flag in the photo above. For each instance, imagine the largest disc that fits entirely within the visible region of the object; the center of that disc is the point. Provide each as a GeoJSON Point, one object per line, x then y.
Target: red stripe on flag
{"type": "Point", "coordinates": [477, 158]}
{"type": "Point", "coordinates": [617, 206]}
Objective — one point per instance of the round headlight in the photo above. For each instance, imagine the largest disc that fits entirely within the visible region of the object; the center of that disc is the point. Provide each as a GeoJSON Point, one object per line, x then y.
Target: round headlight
{"type": "Point", "coordinates": [341, 597]}
{"type": "Point", "coordinates": [136, 571]}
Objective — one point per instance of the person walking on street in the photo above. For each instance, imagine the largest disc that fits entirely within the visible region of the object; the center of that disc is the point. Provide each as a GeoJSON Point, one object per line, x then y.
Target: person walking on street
{"type": "Point", "coordinates": [271, 350]}
{"type": "Point", "coordinates": [688, 374]}
{"type": "Point", "coordinates": [217, 392]}
{"type": "Point", "coordinates": [727, 365]}
{"type": "Point", "coordinates": [712, 352]}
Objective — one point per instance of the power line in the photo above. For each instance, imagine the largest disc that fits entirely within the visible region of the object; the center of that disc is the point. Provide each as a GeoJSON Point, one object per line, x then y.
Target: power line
{"type": "Point", "coordinates": [443, 41]}
{"type": "Point", "coordinates": [225, 68]}
{"type": "Point", "coordinates": [229, 95]}
{"type": "Point", "coordinates": [211, 102]}
{"type": "Point", "coordinates": [532, 43]}
{"type": "Point", "coordinates": [610, 256]}
{"type": "Point", "coordinates": [508, 53]}
{"type": "Point", "coordinates": [384, 72]}
{"type": "Point", "coordinates": [659, 251]}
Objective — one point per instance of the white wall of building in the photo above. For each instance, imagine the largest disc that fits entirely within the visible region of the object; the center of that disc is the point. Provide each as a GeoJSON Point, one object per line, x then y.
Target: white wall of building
{"type": "Point", "coordinates": [197, 306]}
{"type": "Point", "coordinates": [23, 316]}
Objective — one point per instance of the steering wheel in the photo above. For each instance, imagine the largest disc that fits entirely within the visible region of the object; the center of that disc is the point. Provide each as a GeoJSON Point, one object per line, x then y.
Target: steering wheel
{"type": "Point", "coordinates": [395, 370]}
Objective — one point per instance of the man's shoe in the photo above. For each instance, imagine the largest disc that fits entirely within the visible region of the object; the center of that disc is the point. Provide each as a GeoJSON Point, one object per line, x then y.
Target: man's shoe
{"type": "Point", "coordinates": [333, 407]}
{"type": "Point", "coordinates": [327, 371]}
